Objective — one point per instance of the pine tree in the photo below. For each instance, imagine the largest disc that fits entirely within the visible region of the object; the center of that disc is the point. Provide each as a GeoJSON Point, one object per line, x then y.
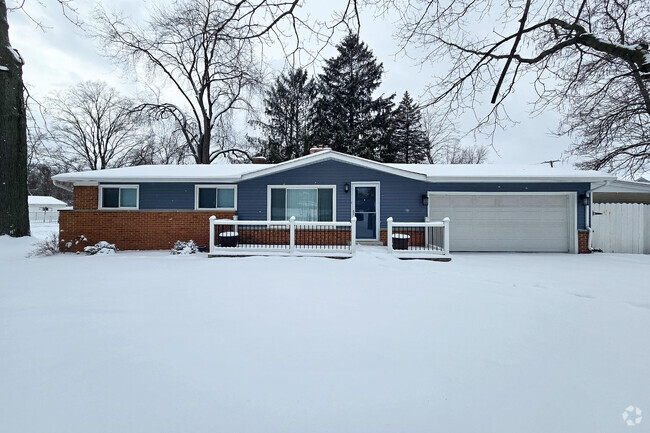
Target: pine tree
{"type": "Point", "coordinates": [288, 108]}
{"type": "Point", "coordinates": [409, 139]}
{"type": "Point", "coordinates": [384, 130]}
{"type": "Point", "coordinates": [346, 115]}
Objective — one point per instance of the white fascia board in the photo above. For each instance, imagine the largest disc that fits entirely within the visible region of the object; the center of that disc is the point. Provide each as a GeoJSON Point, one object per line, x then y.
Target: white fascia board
{"type": "Point", "coordinates": [483, 179]}
{"type": "Point", "coordinates": [326, 155]}
{"type": "Point", "coordinates": [624, 186]}
{"type": "Point", "coordinates": [94, 182]}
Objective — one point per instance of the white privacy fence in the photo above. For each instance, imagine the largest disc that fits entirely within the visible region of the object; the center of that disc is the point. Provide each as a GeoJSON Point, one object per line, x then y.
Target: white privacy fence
{"type": "Point", "coordinates": [228, 237]}
{"type": "Point", "coordinates": [621, 228]}
{"type": "Point", "coordinates": [419, 239]}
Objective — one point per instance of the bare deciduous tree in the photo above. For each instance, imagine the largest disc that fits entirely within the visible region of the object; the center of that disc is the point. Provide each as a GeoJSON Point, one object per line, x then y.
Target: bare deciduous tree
{"type": "Point", "coordinates": [14, 216]}
{"type": "Point", "coordinates": [588, 59]}
{"type": "Point", "coordinates": [444, 145]}
{"type": "Point", "coordinates": [205, 51]}
{"type": "Point", "coordinates": [93, 126]}
{"type": "Point", "coordinates": [163, 144]}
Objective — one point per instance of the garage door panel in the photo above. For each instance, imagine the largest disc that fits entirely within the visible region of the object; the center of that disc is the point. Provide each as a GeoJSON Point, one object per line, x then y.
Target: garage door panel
{"type": "Point", "coordinates": [504, 222]}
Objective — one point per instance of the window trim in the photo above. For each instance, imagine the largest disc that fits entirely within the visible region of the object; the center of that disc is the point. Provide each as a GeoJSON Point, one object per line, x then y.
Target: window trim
{"type": "Point", "coordinates": [316, 187]}
{"type": "Point", "coordinates": [215, 187]}
{"type": "Point", "coordinates": [100, 203]}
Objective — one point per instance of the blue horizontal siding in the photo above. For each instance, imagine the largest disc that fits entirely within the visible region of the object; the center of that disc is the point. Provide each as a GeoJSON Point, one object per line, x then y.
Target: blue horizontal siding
{"type": "Point", "coordinates": [166, 196]}
{"type": "Point", "coordinates": [400, 197]}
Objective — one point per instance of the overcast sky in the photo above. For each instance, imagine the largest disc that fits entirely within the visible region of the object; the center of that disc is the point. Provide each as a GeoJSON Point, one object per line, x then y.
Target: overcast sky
{"type": "Point", "coordinates": [62, 55]}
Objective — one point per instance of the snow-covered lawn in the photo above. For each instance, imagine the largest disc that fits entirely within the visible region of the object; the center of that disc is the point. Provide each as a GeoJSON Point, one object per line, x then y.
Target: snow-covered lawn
{"type": "Point", "coordinates": [150, 342]}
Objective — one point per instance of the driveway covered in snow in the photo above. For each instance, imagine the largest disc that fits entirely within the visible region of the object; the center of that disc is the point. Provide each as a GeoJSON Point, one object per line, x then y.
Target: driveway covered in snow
{"type": "Point", "coordinates": [149, 342]}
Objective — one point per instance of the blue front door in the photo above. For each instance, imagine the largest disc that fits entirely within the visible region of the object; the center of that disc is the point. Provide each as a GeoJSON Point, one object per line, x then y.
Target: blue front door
{"type": "Point", "coordinates": [365, 197]}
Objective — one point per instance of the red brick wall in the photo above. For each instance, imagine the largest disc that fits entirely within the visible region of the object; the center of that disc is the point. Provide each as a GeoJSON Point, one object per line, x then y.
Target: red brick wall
{"type": "Point", "coordinates": [416, 240]}
{"type": "Point", "coordinates": [281, 236]}
{"type": "Point", "coordinates": [85, 197]}
{"type": "Point", "coordinates": [135, 230]}
{"type": "Point", "coordinates": [583, 242]}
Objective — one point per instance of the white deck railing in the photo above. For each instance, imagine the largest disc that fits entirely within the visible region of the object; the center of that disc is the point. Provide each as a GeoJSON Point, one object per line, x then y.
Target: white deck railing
{"type": "Point", "coordinates": [239, 237]}
{"type": "Point", "coordinates": [419, 239]}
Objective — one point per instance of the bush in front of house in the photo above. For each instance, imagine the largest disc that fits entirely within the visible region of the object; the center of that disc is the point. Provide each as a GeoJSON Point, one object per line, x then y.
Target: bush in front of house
{"type": "Point", "coordinates": [47, 247]}
{"type": "Point", "coordinates": [101, 247]}
{"type": "Point", "coordinates": [181, 247]}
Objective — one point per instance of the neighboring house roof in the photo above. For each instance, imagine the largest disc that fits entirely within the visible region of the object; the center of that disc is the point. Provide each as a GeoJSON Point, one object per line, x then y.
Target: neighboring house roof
{"type": "Point", "coordinates": [44, 200]}
{"type": "Point", "coordinates": [644, 178]}
{"type": "Point", "coordinates": [624, 186]}
{"type": "Point", "coordinates": [424, 172]}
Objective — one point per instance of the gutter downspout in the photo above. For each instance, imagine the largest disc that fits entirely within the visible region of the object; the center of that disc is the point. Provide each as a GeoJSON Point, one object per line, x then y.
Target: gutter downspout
{"type": "Point", "coordinates": [591, 204]}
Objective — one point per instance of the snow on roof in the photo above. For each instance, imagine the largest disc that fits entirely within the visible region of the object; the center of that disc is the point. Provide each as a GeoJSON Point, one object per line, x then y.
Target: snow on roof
{"type": "Point", "coordinates": [429, 172]}
{"type": "Point", "coordinates": [622, 186]}
{"type": "Point", "coordinates": [163, 173]}
{"type": "Point", "coordinates": [505, 172]}
{"type": "Point", "coordinates": [44, 200]}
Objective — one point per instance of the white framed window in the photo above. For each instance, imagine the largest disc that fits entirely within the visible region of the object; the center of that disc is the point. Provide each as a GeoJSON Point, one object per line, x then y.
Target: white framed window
{"type": "Point", "coordinates": [305, 202]}
{"type": "Point", "coordinates": [119, 196]}
{"type": "Point", "coordinates": [221, 197]}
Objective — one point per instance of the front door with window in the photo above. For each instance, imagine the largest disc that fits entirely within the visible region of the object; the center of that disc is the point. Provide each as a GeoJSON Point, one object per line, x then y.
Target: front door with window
{"type": "Point", "coordinates": [365, 206]}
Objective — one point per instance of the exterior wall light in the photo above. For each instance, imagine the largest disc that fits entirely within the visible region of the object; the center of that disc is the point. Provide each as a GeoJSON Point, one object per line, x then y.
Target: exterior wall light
{"type": "Point", "coordinates": [425, 200]}
{"type": "Point", "coordinates": [346, 187]}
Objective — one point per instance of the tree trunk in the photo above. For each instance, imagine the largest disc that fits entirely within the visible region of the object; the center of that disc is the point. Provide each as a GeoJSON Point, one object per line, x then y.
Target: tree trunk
{"type": "Point", "coordinates": [14, 215]}
{"type": "Point", "coordinates": [204, 148]}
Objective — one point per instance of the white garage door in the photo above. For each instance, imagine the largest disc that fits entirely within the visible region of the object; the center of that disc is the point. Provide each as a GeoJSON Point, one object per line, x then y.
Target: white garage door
{"type": "Point", "coordinates": [505, 222]}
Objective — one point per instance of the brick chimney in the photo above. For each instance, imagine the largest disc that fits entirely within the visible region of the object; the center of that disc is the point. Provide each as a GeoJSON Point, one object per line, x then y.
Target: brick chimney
{"type": "Point", "coordinates": [259, 160]}
{"type": "Point", "coordinates": [317, 149]}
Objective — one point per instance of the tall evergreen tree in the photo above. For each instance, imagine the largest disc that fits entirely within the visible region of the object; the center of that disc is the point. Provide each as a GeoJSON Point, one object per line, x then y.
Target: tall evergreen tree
{"type": "Point", "coordinates": [410, 139]}
{"type": "Point", "coordinates": [346, 114]}
{"type": "Point", "coordinates": [288, 108]}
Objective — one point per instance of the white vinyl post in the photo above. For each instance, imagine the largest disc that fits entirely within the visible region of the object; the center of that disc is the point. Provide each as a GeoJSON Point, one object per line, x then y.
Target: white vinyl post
{"type": "Point", "coordinates": [292, 233]}
{"type": "Point", "coordinates": [445, 220]}
{"type": "Point", "coordinates": [212, 220]}
{"type": "Point", "coordinates": [353, 235]}
{"type": "Point", "coordinates": [426, 232]}
{"type": "Point", "coordinates": [389, 234]}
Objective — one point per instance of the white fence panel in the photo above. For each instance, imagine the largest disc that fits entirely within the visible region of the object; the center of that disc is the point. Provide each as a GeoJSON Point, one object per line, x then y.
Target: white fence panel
{"type": "Point", "coordinates": [44, 217]}
{"type": "Point", "coordinates": [621, 227]}
{"type": "Point", "coordinates": [646, 229]}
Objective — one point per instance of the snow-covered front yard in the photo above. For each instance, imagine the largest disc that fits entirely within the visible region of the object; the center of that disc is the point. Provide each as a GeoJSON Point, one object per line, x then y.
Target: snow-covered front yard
{"type": "Point", "coordinates": [149, 342]}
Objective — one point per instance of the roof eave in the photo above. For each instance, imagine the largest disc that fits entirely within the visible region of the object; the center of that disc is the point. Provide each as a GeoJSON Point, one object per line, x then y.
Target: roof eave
{"type": "Point", "coordinates": [527, 179]}
{"type": "Point", "coordinates": [95, 182]}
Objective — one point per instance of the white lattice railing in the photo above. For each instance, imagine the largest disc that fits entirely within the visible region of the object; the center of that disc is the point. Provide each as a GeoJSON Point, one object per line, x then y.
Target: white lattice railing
{"type": "Point", "coordinates": [418, 238]}
{"type": "Point", "coordinates": [287, 237]}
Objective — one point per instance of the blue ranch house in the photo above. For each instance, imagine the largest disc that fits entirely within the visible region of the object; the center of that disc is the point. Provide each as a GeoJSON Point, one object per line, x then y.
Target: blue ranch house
{"type": "Point", "coordinates": [529, 208]}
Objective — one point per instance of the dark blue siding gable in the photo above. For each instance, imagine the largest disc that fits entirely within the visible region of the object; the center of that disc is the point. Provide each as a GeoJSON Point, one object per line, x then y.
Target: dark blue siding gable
{"type": "Point", "coordinates": [400, 197]}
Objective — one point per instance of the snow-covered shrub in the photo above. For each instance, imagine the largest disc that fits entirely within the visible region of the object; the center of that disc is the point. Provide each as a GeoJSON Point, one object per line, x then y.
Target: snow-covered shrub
{"type": "Point", "coordinates": [101, 247]}
{"type": "Point", "coordinates": [69, 244]}
{"type": "Point", "coordinates": [181, 247]}
{"type": "Point", "coordinates": [47, 247]}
